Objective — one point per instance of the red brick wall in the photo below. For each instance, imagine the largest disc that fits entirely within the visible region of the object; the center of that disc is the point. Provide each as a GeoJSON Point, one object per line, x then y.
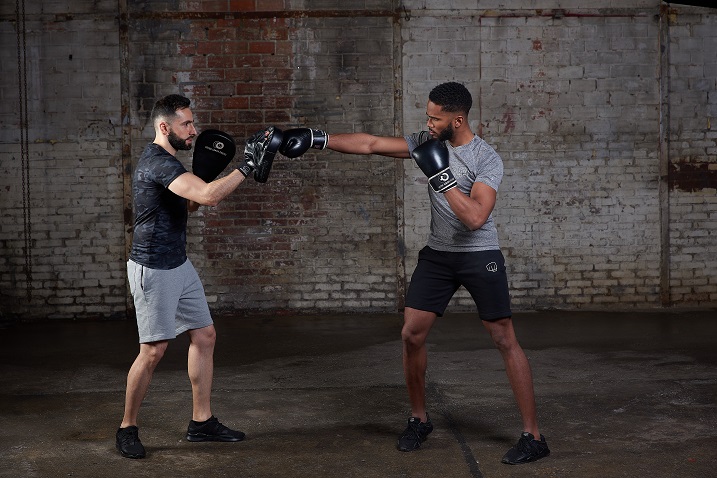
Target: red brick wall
{"type": "Point", "coordinates": [321, 234]}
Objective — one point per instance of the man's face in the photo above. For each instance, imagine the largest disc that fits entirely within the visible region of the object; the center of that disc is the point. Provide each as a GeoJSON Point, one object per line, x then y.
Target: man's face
{"type": "Point", "coordinates": [440, 123]}
{"type": "Point", "coordinates": [181, 130]}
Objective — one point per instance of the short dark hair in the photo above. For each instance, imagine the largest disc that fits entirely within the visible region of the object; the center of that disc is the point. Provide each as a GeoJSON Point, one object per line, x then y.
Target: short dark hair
{"type": "Point", "coordinates": [452, 97]}
{"type": "Point", "coordinates": [167, 107]}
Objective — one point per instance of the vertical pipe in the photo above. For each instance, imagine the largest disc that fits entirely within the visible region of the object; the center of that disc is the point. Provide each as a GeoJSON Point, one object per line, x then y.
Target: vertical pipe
{"type": "Point", "coordinates": [24, 142]}
{"type": "Point", "coordinates": [126, 142]}
{"type": "Point", "coordinates": [480, 76]}
{"type": "Point", "coordinates": [399, 163]}
{"type": "Point", "coordinates": [664, 155]}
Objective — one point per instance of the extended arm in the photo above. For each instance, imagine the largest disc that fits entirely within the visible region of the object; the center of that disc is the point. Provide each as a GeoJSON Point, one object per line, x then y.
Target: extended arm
{"type": "Point", "coordinates": [364, 143]}
{"type": "Point", "coordinates": [298, 141]}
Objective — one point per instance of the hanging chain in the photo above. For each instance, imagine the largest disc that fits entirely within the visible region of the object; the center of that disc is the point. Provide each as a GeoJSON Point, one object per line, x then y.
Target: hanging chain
{"type": "Point", "coordinates": [24, 140]}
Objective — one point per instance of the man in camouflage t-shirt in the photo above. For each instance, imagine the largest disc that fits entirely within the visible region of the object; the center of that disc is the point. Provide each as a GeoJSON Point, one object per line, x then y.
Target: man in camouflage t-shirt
{"type": "Point", "coordinates": [168, 294]}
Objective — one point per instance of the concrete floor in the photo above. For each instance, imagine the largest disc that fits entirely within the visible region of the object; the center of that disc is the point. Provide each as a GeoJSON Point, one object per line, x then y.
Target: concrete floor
{"type": "Point", "coordinates": [619, 395]}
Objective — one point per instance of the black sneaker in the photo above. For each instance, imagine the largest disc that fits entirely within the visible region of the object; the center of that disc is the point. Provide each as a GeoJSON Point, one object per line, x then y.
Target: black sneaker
{"type": "Point", "coordinates": [527, 449]}
{"type": "Point", "coordinates": [415, 433]}
{"type": "Point", "coordinates": [128, 443]}
{"type": "Point", "coordinates": [212, 430]}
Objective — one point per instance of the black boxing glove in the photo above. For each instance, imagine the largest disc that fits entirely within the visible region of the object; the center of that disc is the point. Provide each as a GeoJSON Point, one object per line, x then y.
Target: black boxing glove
{"type": "Point", "coordinates": [432, 158]}
{"type": "Point", "coordinates": [297, 141]}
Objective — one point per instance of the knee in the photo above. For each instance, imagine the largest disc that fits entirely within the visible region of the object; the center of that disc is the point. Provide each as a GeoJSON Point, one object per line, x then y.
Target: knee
{"type": "Point", "coordinates": [416, 325]}
{"type": "Point", "coordinates": [502, 341]}
{"type": "Point", "coordinates": [153, 353]}
{"type": "Point", "coordinates": [502, 334]}
{"type": "Point", "coordinates": [205, 337]}
{"type": "Point", "coordinates": [210, 335]}
{"type": "Point", "coordinates": [412, 338]}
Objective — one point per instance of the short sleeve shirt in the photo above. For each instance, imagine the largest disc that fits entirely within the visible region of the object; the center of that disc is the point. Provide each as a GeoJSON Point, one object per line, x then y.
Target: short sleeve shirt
{"type": "Point", "coordinates": [474, 162]}
{"type": "Point", "coordinates": [160, 216]}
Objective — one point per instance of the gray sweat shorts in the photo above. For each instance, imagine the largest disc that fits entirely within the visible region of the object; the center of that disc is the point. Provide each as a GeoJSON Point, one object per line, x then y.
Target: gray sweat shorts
{"type": "Point", "coordinates": [167, 302]}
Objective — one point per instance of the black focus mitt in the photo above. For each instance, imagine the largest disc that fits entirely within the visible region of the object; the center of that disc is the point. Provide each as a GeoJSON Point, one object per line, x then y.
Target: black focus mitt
{"type": "Point", "coordinates": [259, 153]}
{"type": "Point", "coordinates": [213, 151]}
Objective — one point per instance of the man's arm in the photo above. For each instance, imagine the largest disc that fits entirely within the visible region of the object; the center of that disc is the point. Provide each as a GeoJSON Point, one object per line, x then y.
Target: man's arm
{"type": "Point", "coordinates": [364, 143]}
{"type": "Point", "coordinates": [197, 191]}
{"type": "Point", "coordinates": [298, 141]}
{"type": "Point", "coordinates": [473, 210]}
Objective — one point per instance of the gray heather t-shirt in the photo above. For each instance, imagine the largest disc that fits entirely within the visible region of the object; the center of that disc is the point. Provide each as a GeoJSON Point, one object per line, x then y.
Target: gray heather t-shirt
{"type": "Point", "coordinates": [470, 163]}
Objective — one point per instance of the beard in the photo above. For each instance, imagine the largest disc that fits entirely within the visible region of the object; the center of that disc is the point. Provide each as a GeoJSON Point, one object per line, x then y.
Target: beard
{"type": "Point", "coordinates": [178, 143]}
{"type": "Point", "coordinates": [447, 134]}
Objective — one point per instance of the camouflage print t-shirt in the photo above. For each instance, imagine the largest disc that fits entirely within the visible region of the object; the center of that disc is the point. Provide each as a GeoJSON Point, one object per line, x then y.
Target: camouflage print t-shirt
{"type": "Point", "coordinates": [160, 216]}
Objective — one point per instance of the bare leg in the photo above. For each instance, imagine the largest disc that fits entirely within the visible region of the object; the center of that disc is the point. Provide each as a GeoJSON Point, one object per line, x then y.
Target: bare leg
{"type": "Point", "coordinates": [200, 366]}
{"type": "Point", "coordinates": [139, 378]}
{"type": "Point", "coordinates": [518, 369]}
{"type": "Point", "coordinates": [416, 325]}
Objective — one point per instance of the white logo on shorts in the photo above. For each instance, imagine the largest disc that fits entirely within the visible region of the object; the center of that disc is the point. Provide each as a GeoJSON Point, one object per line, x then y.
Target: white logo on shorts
{"type": "Point", "coordinates": [492, 267]}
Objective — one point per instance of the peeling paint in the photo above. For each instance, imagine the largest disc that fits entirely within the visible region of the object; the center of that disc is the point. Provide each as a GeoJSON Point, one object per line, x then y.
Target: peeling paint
{"type": "Point", "coordinates": [692, 177]}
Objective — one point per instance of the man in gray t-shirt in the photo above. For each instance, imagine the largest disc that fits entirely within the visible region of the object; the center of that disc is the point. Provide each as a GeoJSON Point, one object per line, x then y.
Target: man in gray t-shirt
{"type": "Point", "coordinates": [464, 175]}
{"type": "Point", "coordinates": [471, 163]}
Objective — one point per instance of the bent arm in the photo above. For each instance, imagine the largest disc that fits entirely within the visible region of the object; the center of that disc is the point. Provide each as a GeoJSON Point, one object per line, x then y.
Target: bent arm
{"type": "Point", "coordinates": [198, 192]}
{"type": "Point", "coordinates": [364, 143]}
{"type": "Point", "coordinates": [473, 210]}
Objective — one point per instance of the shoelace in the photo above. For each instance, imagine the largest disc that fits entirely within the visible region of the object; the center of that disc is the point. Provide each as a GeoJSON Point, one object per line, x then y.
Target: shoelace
{"type": "Point", "coordinates": [129, 439]}
{"type": "Point", "coordinates": [220, 428]}
{"type": "Point", "coordinates": [415, 428]}
{"type": "Point", "coordinates": [524, 444]}
{"type": "Point", "coordinates": [212, 427]}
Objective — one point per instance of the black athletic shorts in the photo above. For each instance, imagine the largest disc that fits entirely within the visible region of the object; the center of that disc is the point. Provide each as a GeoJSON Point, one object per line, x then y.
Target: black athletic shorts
{"type": "Point", "coordinates": [439, 274]}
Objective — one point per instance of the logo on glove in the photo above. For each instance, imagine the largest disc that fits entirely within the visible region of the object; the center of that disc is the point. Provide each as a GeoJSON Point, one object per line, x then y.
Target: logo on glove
{"type": "Point", "coordinates": [218, 145]}
{"type": "Point", "coordinates": [444, 177]}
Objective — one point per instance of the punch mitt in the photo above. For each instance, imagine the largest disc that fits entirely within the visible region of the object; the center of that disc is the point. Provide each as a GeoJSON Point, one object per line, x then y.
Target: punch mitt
{"type": "Point", "coordinates": [213, 151]}
{"type": "Point", "coordinates": [260, 151]}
